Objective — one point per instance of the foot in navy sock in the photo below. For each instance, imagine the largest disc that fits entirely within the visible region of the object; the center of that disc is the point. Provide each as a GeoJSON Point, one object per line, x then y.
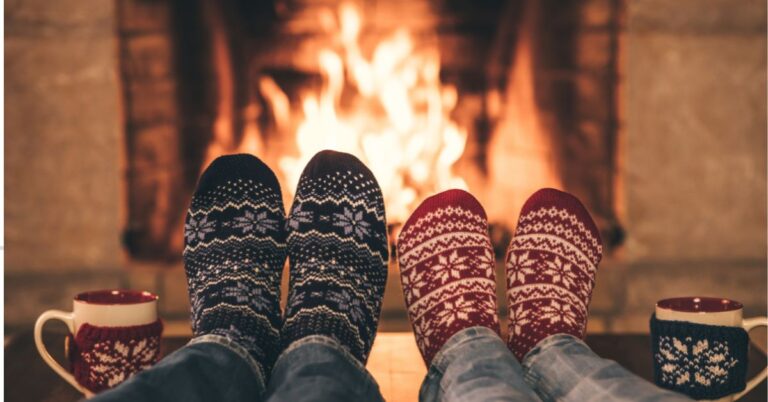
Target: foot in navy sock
{"type": "Point", "coordinates": [234, 255]}
{"type": "Point", "coordinates": [337, 248]}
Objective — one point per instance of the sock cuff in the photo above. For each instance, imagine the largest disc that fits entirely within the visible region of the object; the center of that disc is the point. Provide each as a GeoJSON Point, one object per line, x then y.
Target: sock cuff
{"type": "Point", "coordinates": [302, 325]}
{"type": "Point", "coordinates": [258, 334]}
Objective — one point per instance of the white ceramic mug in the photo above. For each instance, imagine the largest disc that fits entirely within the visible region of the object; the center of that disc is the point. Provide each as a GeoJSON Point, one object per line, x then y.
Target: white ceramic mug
{"type": "Point", "coordinates": [113, 309]}
{"type": "Point", "coordinates": [712, 311]}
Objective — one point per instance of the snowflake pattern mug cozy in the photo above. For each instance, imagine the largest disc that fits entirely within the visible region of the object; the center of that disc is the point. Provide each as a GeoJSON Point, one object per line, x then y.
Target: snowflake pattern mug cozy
{"type": "Point", "coordinates": [700, 347]}
{"type": "Point", "coordinates": [114, 334]}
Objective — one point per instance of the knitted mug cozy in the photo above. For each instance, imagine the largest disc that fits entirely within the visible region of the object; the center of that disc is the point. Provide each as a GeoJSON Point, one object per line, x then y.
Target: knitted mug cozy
{"type": "Point", "coordinates": [103, 357]}
{"type": "Point", "coordinates": [701, 361]}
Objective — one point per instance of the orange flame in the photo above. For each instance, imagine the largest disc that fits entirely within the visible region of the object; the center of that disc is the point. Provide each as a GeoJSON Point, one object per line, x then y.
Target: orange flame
{"type": "Point", "coordinates": [520, 153]}
{"type": "Point", "coordinates": [395, 118]}
{"type": "Point", "coordinates": [398, 123]}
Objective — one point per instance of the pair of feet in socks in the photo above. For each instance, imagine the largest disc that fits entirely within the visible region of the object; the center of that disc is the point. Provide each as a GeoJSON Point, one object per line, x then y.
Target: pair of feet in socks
{"type": "Point", "coordinates": [237, 238]}
{"type": "Point", "coordinates": [447, 269]}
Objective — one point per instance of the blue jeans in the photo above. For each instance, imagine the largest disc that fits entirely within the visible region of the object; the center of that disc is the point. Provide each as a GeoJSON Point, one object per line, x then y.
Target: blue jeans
{"type": "Point", "coordinates": [474, 365]}
{"type": "Point", "coordinates": [212, 368]}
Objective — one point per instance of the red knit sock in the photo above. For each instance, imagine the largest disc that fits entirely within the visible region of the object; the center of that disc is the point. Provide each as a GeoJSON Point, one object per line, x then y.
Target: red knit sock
{"type": "Point", "coordinates": [551, 266]}
{"type": "Point", "coordinates": [447, 269]}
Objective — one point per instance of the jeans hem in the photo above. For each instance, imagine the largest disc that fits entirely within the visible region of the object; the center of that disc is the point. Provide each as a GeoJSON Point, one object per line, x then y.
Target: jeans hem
{"type": "Point", "coordinates": [326, 341]}
{"type": "Point", "coordinates": [238, 350]}
{"type": "Point", "coordinates": [474, 363]}
{"type": "Point", "coordinates": [529, 360]}
{"type": "Point", "coordinates": [442, 358]}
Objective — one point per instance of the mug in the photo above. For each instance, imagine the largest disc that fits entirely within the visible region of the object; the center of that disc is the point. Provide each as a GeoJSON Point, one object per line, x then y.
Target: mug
{"type": "Point", "coordinates": [113, 335]}
{"type": "Point", "coordinates": [700, 347]}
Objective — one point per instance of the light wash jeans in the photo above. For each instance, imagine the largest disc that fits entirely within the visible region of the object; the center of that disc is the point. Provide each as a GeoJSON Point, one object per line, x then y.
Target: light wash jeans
{"type": "Point", "coordinates": [474, 365]}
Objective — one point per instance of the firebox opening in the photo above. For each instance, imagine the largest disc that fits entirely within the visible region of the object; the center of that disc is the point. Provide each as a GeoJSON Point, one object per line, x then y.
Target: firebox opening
{"type": "Point", "coordinates": [497, 97]}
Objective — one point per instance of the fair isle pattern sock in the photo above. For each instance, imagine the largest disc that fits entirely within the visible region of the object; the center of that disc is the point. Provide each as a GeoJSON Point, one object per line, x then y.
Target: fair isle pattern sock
{"type": "Point", "coordinates": [551, 266]}
{"type": "Point", "coordinates": [338, 252]}
{"type": "Point", "coordinates": [447, 269]}
{"type": "Point", "coordinates": [234, 255]}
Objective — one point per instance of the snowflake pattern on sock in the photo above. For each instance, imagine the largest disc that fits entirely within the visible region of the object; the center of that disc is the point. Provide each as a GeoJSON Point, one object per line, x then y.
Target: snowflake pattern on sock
{"type": "Point", "coordinates": [234, 255]}
{"type": "Point", "coordinates": [551, 264]}
{"type": "Point", "coordinates": [338, 253]}
{"type": "Point", "coordinates": [447, 269]}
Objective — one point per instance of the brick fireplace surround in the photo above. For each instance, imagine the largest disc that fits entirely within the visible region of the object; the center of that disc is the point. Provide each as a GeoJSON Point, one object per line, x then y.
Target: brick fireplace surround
{"type": "Point", "coordinates": [691, 146]}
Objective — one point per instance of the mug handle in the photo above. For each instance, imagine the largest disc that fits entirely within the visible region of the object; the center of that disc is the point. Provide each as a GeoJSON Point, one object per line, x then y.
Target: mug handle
{"type": "Point", "coordinates": [69, 319]}
{"type": "Point", "coordinates": [748, 324]}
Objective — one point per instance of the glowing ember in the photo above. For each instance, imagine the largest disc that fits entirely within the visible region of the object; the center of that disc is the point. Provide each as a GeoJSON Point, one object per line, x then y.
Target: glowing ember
{"type": "Point", "coordinates": [396, 119]}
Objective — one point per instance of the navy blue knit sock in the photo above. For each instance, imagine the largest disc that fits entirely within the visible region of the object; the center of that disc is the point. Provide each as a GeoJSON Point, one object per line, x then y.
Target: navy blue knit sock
{"type": "Point", "coordinates": [234, 255]}
{"type": "Point", "coordinates": [337, 248]}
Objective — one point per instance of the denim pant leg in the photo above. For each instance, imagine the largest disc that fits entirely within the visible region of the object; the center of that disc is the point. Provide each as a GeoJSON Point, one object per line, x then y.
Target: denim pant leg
{"type": "Point", "coordinates": [317, 368]}
{"type": "Point", "coordinates": [563, 368]}
{"type": "Point", "coordinates": [209, 368]}
{"type": "Point", "coordinates": [475, 365]}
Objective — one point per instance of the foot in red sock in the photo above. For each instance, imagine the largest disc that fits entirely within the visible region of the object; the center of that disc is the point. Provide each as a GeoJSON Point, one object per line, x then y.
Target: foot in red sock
{"type": "Point", "coordinates": [447, 269]}
{"type": "Point", "coordinates": [551, 266]}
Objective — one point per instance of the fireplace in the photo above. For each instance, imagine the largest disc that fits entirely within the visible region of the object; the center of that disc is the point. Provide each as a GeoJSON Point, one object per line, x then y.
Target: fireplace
{"type": "Point", "coordinates": [651, 111]}
{"type": "Point", "coordinates": [500, 97]}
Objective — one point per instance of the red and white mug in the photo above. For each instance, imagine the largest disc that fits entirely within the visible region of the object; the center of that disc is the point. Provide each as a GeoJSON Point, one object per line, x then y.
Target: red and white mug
{"type": "Point", "coordinates": [113, 335]}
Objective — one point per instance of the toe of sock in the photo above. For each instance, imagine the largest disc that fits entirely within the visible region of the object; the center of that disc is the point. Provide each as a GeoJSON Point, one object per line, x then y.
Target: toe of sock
{"type": "Point", "coordinates": [238, 166]}
{"type": "Point", "coordinates": [329, 162]}
{"type": "Point", "coordinates": [453, 197]}
{"type": "Point", "coordinates": [550, 197]}
{"type": "Point", "coordinates": [445, 199]}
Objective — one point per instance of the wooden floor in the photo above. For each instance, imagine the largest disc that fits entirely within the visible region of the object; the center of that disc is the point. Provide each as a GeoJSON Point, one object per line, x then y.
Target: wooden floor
{"type": "Point", "coordinates": [397, 366]}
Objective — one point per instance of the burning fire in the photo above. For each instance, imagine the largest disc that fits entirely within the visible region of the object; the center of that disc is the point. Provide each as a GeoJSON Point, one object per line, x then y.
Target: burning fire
{"type": "Point", "coordinates": [386, 105]}
{"type": "Point", "coordinates": [395, 118]}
